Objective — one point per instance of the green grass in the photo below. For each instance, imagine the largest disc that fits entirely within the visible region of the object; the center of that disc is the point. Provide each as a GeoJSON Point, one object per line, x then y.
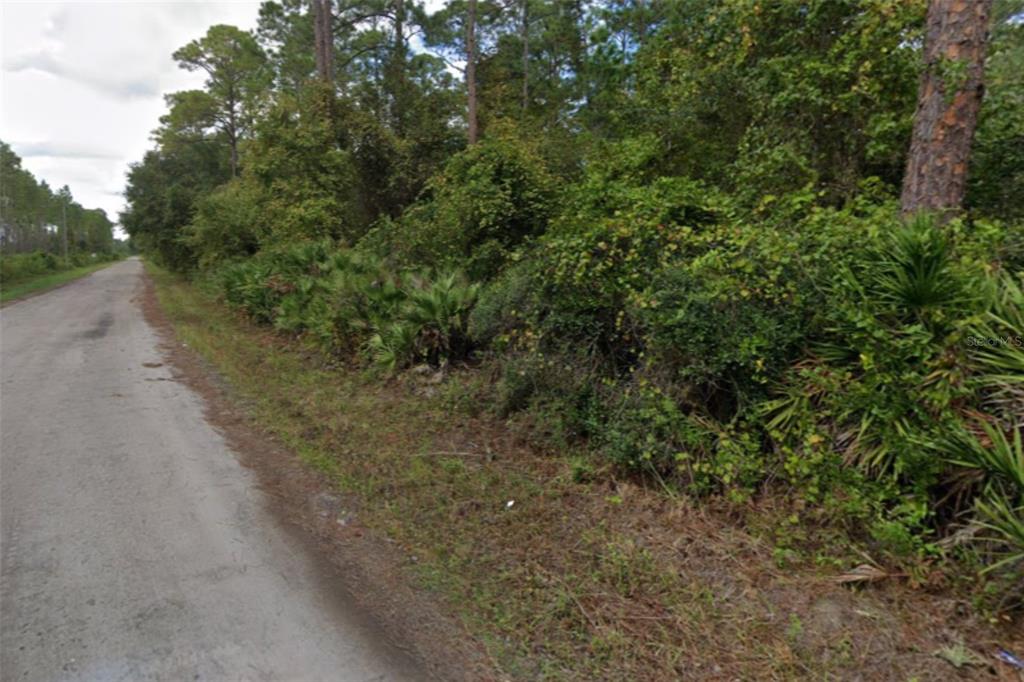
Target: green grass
{"type": "Point", "coordinates": [12, 292]}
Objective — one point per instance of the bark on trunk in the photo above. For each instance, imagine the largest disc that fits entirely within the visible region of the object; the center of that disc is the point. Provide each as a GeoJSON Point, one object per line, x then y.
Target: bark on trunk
{"type": "Point", "coordinates": [231, 128]}
{"type": "Point", "coordinates": [948, 100]}
{"type": "Point", "coordinates": [471, 114]}
{"type": "Point", "coordinates": [526, 55]}
{"type": "Point", "coordinates": [323, 40]}
{"type": "Point", "coordinates": [397, 79]}
{"type": "Point", "coordinates": [233, 140]}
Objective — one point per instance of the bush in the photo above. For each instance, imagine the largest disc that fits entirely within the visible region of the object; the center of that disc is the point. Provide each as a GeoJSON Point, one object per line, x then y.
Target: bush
{"type": "Point", "coordinates": [490, 198]}
{"type": "Point", "coordinates": [348, 300]}
{"type": "Point", "coordinates": [828, 351]}
{"type": "Point", "coordinates": [262, 284]}
{"type": "Point", "coordinates": [429, 326]}
{"type": "Point", "coordinates": [666, 274]}
{"type": "Point", "coordinates": [225, 224]}
{"type": "Point", "coordinates": [915, 380]}
{"type": "Point", "coordinates": [15, 267]}
{"type": "Point", "coordinates": [19, 266]}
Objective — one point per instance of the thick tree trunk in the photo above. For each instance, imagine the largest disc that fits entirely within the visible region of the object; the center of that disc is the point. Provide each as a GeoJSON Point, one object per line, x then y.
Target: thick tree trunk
{"type": "Point", "coordinates": [471, 114]}
{"type": "Point", "coordinates": [323, 39]}
{"type": "Point", "coordinates": [947, 106]}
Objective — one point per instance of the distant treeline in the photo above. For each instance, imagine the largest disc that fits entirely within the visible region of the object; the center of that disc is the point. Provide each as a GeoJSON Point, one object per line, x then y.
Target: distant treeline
{"type": "Point", "coordinates": [33, 217]}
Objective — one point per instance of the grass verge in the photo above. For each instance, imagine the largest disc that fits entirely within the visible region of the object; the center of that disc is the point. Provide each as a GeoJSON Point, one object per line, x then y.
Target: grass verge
{"type": "Point", "coordinates": [560, 569]}
{"type": "Point", "coordinates": [38, 285]}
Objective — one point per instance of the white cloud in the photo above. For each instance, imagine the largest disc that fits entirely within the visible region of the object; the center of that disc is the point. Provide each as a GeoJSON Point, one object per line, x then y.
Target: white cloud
{"type": "Point", "coordinates": [111, 83]}
{"type": "Point", "coordinates": [82, 83]}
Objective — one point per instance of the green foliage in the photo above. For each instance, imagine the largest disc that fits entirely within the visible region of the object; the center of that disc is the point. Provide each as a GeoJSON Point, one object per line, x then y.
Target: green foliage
{"type": "Point", "coordinates": [302, 178]}
{"type": "Point", "coordinates": [915, 380]}
{"type": "Point", "coordinates": [1006, 524]}
{"type": "Point", "coordinates": [17, 268]}
{"type": "Point", "coordinates": [348, 300]}
{"type": "Point", "coordinates": [995, 347]}
{"type": "Point", "coordinates": [430, 325]}
{"type": "Point", "coordinates": [996, 179]}
{"type": "Point", "coordinates": [679, 235]}
{"type": "Point", "coordinates": [34, 218]}
{"type": "Point", "coordinates": [893, 315]}
{"type": "Point", "coordinates": [597, 257]}
{"type": "Point", "coordinates": [770, 98]}
{"type": "Point", "coordinates": [489, 199]}
{"type": "Point", "coordinates": [225, 225]}
{"type": "Point", "coordinates": [161, 194]}
{"type": "Point", "coordinates": [648, 431]}
{"type": "Point", "coordinates": [20, 266]}
{"type": "Point", "coordinates": [663, 273]}
{"type": "Point", "coordinates": [998, 458]}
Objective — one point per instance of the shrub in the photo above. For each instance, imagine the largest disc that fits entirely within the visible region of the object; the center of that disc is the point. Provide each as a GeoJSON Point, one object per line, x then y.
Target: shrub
{"type": "Point", "coordinates": [429, 326]}
{"type": "Point", "coordinates": [263, 283]}
{"type": "Point", "coordinates": [915, 379]}
{"type": "Point", "coordinates": [19, 266]}
{"type": "Point", "coordinates": [15, 267]}
{"type": "Point", "coordinates": [225, 225]}
{"type": "Point", "coordinates": [490, 198]}
{"type": "Point", "coordinates": [348, 300]}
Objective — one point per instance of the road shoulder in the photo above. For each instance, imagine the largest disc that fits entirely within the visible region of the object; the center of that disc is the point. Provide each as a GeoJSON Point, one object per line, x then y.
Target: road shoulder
{"type": "Point", "coordinates": [309, 502]}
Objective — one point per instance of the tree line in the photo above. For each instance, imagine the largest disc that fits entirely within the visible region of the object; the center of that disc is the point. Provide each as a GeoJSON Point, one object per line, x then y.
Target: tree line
{"type": "Point", "coordinates": [33, 217]}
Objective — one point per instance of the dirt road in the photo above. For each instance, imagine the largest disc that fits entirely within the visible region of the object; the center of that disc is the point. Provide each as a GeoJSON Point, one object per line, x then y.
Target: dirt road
{"type": "Point", "coordinates": [134, 545]}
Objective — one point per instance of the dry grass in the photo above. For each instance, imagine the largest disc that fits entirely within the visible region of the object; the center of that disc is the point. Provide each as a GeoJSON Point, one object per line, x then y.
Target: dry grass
{"type": "Point", "coordinates": [580, 577]}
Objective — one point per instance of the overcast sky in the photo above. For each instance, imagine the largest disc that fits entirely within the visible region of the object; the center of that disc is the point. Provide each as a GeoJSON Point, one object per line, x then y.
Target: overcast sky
{"type": "Point", "coordinates": [82, 84]}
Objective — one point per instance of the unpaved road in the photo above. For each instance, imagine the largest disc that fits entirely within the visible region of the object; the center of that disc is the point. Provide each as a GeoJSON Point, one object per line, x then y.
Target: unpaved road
{"type": "Point", "coordinates": [134, 545]}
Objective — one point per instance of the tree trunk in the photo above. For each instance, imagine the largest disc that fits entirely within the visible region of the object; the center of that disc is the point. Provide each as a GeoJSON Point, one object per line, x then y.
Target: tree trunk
{"type": "Point", "coordinates": [526, 55]}
{"type": "Point", "coordinates": [231, 129]}
{"type": "Point", "coordinates": [397, 77]}
{"type": "Point", "coordinates": [323, 39]}
{"type": "Point", "coordinates": [233, 139]}
{"type": "Point", "coordinates": [948, 100]}
{"type": "Point", "coordinates": [471, 115]}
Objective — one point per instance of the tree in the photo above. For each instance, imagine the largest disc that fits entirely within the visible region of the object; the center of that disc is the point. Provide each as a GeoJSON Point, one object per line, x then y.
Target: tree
{"type": "Point", "coordinates": [996, 176]}
{"type": "Point", "coordinates": [286, 32]}
{"type": "Point", "coordinates": [236, 76]}
{"type": "Point", "coordinates": [323, 39]}
{"type": "Point", "coordinates": [524, 36]}
{"type": "Point", "coordinates": [470, 32]}
{"type": "Point", "coordinates": [948, 101]}
{"type": "Point", "coordinates": [471, 112]}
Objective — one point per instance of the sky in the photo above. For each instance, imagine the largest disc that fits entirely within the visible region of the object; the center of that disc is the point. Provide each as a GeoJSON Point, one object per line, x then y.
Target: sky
{"type": "Point", "coordinates": [82, 84]}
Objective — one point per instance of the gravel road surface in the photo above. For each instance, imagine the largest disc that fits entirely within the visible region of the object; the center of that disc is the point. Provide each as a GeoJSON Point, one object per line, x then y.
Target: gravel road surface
{"type": "Point", "coordinates": [134, 545]}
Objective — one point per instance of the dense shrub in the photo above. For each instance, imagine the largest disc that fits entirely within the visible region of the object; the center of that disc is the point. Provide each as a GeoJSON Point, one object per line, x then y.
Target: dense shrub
{"type": "Point", "coordinates": [900, 374]}
{"type": "Point", "coordinates": [667, 274]}
{"type": "Point", "coordinates": [226, 224]}
{"type": "Point", "coordinates": [348, 300]}
{"type": "Point", "coordinates": [15, 267]}
{"type": "Point", "coordinates": [828, 351]}
{"type": "Point", "coordinates": [430, 324]}
{"type": "Point", "coordinates": [490, 198]}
